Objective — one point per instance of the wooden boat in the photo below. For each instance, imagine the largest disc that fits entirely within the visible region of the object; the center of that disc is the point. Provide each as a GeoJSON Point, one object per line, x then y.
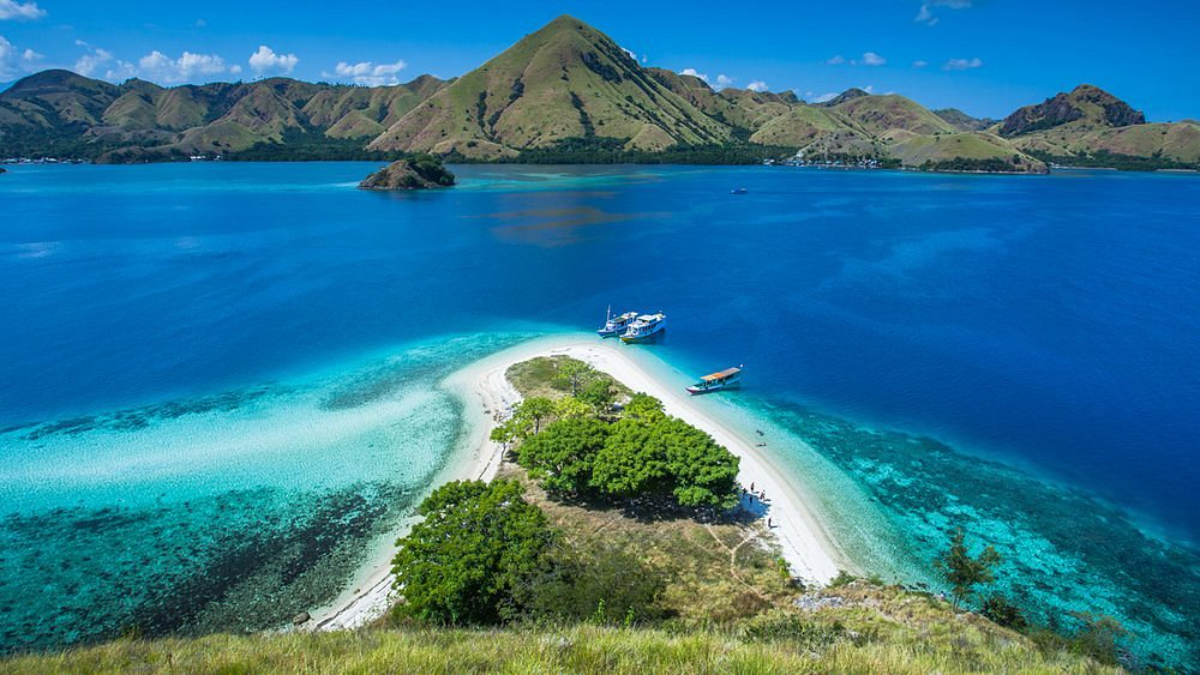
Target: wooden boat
{"type": "Point", "coordinates": [725, 379]}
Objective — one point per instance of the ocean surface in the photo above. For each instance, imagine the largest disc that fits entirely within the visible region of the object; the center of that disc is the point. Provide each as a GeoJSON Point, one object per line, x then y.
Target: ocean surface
{"type": "Point", "coordinates": [219, 382]}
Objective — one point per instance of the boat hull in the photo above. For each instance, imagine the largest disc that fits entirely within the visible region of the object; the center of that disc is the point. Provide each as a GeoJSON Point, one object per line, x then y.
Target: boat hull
{"type": "Point", "coordinates": [700, 391]}
{"type": "Point", "coordinates": [631, 339]}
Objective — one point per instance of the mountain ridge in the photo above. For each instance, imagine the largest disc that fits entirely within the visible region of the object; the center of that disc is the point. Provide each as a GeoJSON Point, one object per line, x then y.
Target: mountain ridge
{"type": "Point", "coordinates": [568, 92]}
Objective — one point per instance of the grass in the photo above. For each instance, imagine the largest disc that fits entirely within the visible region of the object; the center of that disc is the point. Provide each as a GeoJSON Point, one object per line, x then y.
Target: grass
{"type": "Point", "coordinates": [539, 377]}
{"type": "Point", "coordinates": [887, 636]}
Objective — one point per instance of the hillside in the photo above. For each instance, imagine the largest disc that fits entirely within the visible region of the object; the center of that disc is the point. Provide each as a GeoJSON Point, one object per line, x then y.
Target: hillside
{"type": "Point", "coordinates": [566, 81]}
{"type": "Point", "coordinates": [858, 629]}
{"type": "Point", "coordinates": [857, 124]}
{"type": "Point", "coordinates": [962, 121]}
{"type": "Point", "coordinates": [58, 113]}
{"type": "Point", "coordinates": [1090, 127]}
{"type": "Point", "coordinates": [568, 93]}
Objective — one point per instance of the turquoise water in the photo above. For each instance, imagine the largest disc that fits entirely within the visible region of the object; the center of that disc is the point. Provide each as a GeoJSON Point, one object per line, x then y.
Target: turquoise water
{"type": "Point", "coordinates": [220, 380]}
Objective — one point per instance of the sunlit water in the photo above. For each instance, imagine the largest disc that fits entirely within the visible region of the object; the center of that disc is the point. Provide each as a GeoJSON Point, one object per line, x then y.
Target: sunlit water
{"type": "Point", "coordinates": [219, 381]}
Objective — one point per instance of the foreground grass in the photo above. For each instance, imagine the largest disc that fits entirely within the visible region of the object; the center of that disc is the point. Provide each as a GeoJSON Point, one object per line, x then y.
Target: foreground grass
{"type": "Point", "coordinates": [580, 649]}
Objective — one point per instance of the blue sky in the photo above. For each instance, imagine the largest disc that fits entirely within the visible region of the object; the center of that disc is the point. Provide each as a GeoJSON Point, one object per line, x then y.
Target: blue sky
{"type": "Point", "coordinates": [987, 57]}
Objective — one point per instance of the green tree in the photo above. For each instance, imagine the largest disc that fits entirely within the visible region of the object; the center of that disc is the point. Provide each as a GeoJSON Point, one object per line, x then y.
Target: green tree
{"type": "Point", "coordinates": [962, 571]}
{"type": "Point", "coordinates": [644, 407]}
{"type": "Point", "coordinates": [535, 410]}
{"type": "Point", "coordinates": [512, 429]}
{"type": "Point", "coordinates": [666, 456]}
{"type": "Point", "coordinates": [705, 473]}
{"type": "Point", "coordinates": [631, 463]}
{"type": "Point", "coordinates": [561, 457]}
{"type": "Point", "coordinates": [569, 407]}
{"type": "Point", "coordinates": [573, 375]}
{"type": "Point", "coordinates": [599, 394]}
{"type": "Point", "coordinates": [477, 542]}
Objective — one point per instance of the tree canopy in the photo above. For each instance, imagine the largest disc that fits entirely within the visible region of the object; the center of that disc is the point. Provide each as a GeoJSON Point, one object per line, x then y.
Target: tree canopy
{"type": "Point", "coordinates": [562, 455]}
{"type": "Point", "coordinates": [461, 564]}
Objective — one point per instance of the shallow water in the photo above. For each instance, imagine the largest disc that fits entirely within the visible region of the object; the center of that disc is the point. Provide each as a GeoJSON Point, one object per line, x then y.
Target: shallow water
{"type": "Point", "coordinates": [203, 363]}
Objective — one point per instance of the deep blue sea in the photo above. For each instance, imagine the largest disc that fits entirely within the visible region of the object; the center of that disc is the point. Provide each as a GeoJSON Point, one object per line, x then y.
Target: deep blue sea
{"type": "Point", "coordinates": [218, 382]}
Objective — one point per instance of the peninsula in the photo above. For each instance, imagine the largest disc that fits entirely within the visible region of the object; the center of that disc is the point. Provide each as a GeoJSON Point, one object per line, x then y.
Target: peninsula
{"type": "Point", "coordinates": [719, 569]}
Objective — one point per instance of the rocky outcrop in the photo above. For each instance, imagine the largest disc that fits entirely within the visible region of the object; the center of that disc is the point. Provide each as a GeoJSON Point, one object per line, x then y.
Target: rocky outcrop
{"type": "Point", "coordinates": [412, 173]}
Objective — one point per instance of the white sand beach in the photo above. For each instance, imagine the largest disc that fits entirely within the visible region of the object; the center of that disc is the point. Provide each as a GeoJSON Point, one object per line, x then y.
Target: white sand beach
{"type": "Point", "coordinates": [488, 395]}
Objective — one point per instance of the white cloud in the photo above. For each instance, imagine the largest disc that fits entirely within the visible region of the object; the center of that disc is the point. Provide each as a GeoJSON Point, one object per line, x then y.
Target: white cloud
{"type": "Point", "coordinates": [20, 11]}
{"type": "Point", "coordinates": [827, 96]}
{"type": "Point", "coordinates": [868, 59]}
{"type": "Point", "coordinates": [873, 59]}
{"type": "Point", "coordinates": [870, 88]}
{"type": "Point", "coordinates": [920, 64]}
{"type": "Point", "coordinates": [724, 81]}
{"type": "Point", "coordinates": [97, 62]}
{"type": "Point", "coordinates": [962, 64]}
{"type": "Point", "coordinates": [631, 54]}
{"type": "Point", "coordinates": [265, 60]}
{"type": "Point", "coordinates": [926, 14]}
{"type": "Point", "coordinates": [693, 73]}
{"type": "Point", "coordinates": [757, 85]}
{"type": "Point", "coordinates": [189, 66]}
{"type": "Point", "coordinates": [14, 62]}
{"type": "Point", "coordinates": [368, 74]}
{"type": "Point", "coordinates": [235, 69]}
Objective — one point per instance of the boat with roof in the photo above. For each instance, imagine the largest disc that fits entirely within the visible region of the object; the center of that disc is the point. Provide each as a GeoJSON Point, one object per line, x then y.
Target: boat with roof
{"type": "Point", "coordinates": [718, 381]}
{"type": "Point", "coordinates": [616, 325]}
{"type": "Point", "coordinates": [645, 327]}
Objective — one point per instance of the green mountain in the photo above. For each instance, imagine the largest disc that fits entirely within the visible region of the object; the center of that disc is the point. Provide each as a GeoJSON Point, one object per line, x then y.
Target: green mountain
{"type": "Point", "coordinates": [566, 81]}
{"type": "Point", "coordinates": [962, 121]}
{"type": "Point", "coordinates": [892, 128]}
{"type": "Point", "coordinates": [1090, 127]}
{"type": "Point", "coordinates": [59, 113]}
{"type": "Point", "coordinates": [568, 92]}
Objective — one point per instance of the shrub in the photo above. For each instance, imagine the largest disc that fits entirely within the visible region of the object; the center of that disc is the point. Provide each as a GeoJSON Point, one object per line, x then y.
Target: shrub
{"type": "Point", "coordinates": [1003, 613]}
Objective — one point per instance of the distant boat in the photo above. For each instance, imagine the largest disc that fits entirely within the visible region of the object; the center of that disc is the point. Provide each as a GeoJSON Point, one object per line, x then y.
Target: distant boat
{"type": "Point", "coordinates": [645, 327]}
{"type": "Point", "coordinates": [725, 379]}
{"type": "Point", "coordinates": [739, 191]}
{"type": "Point", "coordinates": [615, 325]}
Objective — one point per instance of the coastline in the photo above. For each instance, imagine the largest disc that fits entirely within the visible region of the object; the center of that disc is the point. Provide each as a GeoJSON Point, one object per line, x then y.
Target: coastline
{"type": "Point", "coordinates": [486, 394]}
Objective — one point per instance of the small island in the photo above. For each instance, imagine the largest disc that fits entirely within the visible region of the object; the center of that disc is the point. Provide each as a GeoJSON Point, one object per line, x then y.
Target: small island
{"type": "Point", "coordinates": [419, 172]}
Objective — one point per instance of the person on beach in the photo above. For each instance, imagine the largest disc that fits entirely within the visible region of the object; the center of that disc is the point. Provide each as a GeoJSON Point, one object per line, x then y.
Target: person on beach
{"type": "Point", "coordinates": [769, 524]}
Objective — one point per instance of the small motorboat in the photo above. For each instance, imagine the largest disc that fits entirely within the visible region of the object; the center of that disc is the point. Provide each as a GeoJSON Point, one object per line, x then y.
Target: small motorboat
{"type": "Point", "coordinates": [739, 191]}
{"type": "Point", "coordinates": [725, 379]}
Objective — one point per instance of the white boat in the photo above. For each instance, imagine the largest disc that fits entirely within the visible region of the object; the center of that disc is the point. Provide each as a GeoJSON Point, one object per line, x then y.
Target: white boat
{"type": "Point", "coordinates": [615, 325]}
{"type": "Point", "coordinates": [645, 327]}
{"type": "Point", "coordinates": [725, 379]}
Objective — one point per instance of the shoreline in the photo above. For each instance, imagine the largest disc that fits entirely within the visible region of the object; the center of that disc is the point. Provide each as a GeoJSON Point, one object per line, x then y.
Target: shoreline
{"type": "Point", "coordinates": [486, 394]}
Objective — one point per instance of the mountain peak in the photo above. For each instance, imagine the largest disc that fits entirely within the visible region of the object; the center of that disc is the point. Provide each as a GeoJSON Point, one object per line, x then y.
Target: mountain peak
{"type": "Point", "coordinates": [1084, 107]}
{"type": "Point", "coordinates": [565, 83]}
{"type": "Point", "coordinates": [848, 95]}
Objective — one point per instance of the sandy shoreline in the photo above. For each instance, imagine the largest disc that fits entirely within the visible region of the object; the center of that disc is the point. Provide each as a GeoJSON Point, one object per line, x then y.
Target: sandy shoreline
{"type": "Point", "coordinates": [487, 394]}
